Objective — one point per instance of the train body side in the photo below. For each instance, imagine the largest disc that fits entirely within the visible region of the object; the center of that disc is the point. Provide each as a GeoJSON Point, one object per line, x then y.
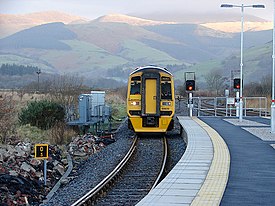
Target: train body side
{"type": "Point", "coordinates": [150, 100]}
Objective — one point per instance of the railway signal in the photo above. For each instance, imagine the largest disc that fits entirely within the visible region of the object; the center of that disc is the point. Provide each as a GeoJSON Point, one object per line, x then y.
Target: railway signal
{"type": "Point", "coordinates": [190, 85]}
{"type": "Point", "coordinates": [237, 83]}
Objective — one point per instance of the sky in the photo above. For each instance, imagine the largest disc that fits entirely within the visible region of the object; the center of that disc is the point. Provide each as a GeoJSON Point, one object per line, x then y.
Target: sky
{"type": "Point", "coordinates": [92, 9]}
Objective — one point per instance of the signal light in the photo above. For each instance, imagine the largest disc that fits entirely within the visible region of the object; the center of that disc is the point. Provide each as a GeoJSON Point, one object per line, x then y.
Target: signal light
{"type": "Point", "coordinates": [190, 85]}
{"type": "Point", "coordinates": [237, 83]}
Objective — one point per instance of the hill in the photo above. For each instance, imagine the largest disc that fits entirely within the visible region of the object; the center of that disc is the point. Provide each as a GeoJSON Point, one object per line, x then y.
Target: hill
{"type": "Point", "coordinates": [110, 48]}
{"type": "Point", "coordinates": [10, 24]}
{"type": "Point", "coordinates": [39, 37]}
{"type": "Point", "coordinates": [234, 27]}
{"type": "Point", "coordinates": [257, 64]}
{"type": "Point", "coordinates": [131, 20]}
{"type": "Point", "coordinates": [195, 17]}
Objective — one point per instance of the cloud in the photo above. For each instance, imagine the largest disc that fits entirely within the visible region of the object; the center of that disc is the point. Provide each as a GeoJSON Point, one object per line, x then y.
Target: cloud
{"type": "Point", "coordinates": [95, 8]}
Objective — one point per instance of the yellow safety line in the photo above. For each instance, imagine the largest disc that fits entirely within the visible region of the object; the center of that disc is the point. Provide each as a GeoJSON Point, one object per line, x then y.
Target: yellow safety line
{"type": "Point", "coordinates": [212, 190]}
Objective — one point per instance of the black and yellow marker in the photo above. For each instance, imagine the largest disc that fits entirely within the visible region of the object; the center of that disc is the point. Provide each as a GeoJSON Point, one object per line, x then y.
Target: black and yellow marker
{"type": "Point", "coordinates": [41, 151]}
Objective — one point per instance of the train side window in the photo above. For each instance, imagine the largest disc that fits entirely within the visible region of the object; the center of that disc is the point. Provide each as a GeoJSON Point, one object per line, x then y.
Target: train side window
{"type": "Point", "coordinates": [135, 88]}
{"type": "Point", "coordinates": [166, 92]}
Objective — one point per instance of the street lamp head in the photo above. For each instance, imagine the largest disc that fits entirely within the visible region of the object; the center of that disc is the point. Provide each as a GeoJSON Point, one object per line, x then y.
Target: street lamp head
{"type": "Point", "coordinates": [38, 71]}
{"type": "Point", "coordinates": [226, 5]}
{"type": "Point", "coordinates": [258, 6]}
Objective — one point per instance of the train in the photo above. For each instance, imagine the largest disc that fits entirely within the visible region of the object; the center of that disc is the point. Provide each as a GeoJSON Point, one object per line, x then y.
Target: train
{"type": "Point", "coordinates": [150, 100]}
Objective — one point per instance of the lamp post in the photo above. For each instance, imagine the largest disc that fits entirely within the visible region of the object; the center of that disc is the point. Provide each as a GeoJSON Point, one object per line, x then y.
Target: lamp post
{"type": "Point", "coordinates": [272, 123]}
{"type": "Point", "coordinates": [242, 6]}
{"type": "Point", "coordinates": [38, 72]}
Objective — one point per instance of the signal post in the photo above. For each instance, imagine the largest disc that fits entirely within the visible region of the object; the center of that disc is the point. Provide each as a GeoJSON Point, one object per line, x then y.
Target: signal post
{"type": "Point", "coordinates": [237, 86]}
{"type": "Point", "coordinates": [190, 86]}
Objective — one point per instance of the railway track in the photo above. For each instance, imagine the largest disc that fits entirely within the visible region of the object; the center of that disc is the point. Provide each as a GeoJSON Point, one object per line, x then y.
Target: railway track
{"type": "Point", "coordinates": [138, 172]}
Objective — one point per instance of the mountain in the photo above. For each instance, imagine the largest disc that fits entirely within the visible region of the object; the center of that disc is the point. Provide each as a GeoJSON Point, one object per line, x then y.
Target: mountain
{"type": "Point", "coordinates": [134, 21]}
{"type": "Point", "coordinates": [235, 27]}
{"type": "Point", "coordinates": [194, 17]}
{"type": "Point", "coordinates": [10, 24]}
{"type": "Point", "coordinates": [46, 36]}
{"type": "Point", "coordinates": [257, 63]}
{"type": "Point", "coordinates": [110, 47]}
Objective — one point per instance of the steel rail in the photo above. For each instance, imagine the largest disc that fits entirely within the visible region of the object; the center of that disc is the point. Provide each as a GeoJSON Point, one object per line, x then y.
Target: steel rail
{"type": "Point", "coordinates": [165, 154]}
{"type": "Point", "coordinates": [84, 199]}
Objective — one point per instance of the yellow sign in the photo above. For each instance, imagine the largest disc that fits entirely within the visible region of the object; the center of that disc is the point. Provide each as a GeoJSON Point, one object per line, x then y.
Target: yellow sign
{"type": "Point", "coordinates": [41, 151]}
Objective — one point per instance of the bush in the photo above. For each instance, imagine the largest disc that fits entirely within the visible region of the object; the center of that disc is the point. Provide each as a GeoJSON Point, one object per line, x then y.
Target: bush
{"type": "Point", "coordinates": [60, 134]}
{"type": "Point", "coordinates": [7, 120]}
{"type": "Point", "coordinates": [42, 114]}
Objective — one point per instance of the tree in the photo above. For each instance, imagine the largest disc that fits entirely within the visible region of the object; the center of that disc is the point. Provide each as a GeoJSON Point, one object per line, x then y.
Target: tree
{"type": "Point", "coordinates": [215, 80]}
{"type": "Point", "coordinates": [42, 114]}
{"type": "Point", "coordinates": [7, 121]}
{"type": "Point", "coordinates": [65, 89]}
{"type": "Point", "coordinates": [262, 88]}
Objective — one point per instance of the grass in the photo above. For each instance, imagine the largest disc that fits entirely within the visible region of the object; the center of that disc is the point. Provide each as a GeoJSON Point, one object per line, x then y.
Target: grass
{"type": "Point", "coordinates": [200, 69]}
{"type": "Point", "coordinates": [83, 57]}
{"type": "Point", "coordinates": [139, 52]}
{"type": "Point", "coordinates": [33, 134]}
{"type": "Point", "coordinates": [118, 105]}
{"type": "Point", "coordinates": [59, 133]}
{"type": "Point", "coordinates": [19, 60]}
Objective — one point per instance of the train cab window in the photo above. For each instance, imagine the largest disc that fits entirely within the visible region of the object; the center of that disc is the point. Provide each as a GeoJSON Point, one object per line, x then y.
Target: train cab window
{"type": "Point", "coordinates": [166, 92]}
{"type": "Point", "coordinates": [135, 88]}
{"type": "Point", "coordinates": [136, 78]}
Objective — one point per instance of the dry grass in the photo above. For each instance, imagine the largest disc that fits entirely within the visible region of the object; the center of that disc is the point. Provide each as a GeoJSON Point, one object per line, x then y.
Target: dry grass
{"type": "Point", "coordinates": [60, 133]}
{"type": "Point", "coordinates": [256, 103]}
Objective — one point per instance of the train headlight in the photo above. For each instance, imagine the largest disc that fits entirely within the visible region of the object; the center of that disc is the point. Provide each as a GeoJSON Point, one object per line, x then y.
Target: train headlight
{"type": "Point", "coordinates": [134, 103]}
{"type": "Point", "coordinates": [166, 103]}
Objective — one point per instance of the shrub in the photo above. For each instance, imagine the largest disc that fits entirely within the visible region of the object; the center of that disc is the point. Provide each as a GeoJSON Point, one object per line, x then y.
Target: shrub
{"type": "Point", "coordinates": [42, 114]}
{"type": "Point", "coordinates": [60, 133]}
{"type": "Point", "coordinates": [7, 120]}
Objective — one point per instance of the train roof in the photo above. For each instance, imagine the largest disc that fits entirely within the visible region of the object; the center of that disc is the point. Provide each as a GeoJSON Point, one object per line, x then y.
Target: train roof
{"type": "Point", "coordinates": [140, 69]}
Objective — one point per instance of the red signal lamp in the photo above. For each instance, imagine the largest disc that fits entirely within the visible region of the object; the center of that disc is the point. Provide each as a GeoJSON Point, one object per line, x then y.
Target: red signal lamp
{"type": "Point", "coordinates": [237, 83]}
{"type": "Point", "coordinates": [190, 85]}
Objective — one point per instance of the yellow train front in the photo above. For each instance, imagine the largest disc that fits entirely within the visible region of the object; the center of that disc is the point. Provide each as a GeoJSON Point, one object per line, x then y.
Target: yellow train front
{"type": "Point", "coordinates": [150, 100]}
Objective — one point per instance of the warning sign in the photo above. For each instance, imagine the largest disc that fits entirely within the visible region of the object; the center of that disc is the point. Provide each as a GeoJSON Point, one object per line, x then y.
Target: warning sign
{"type": "Point", "coordinates": [41, 151]}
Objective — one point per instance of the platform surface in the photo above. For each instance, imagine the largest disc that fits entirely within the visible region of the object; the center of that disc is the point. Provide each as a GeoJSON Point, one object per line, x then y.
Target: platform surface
{"type": "Point", "coordinates": [252, 169]}
{"type": "Point", "coordinates": [200, 177]}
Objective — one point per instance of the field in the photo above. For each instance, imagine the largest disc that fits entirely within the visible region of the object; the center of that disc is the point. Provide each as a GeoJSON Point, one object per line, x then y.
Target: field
{"type": "Point", "coordinates": [12, 102]}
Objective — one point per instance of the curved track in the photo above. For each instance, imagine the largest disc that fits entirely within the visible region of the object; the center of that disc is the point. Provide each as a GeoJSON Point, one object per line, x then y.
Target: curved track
{"type": "Point", "coordinates": [138, 173]}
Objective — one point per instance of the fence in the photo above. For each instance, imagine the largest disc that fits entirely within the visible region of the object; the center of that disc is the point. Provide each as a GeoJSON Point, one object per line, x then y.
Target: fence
{"type": "Point", "coordinates": [223, 106]}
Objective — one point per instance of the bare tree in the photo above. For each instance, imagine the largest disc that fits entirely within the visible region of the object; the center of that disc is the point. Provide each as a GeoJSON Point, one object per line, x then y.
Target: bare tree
{"type": "Point", "coordinates": [262, 88]}
{"type": "Point", "coordinates": [7, 120]}
{"type": "Point", "coordinates": [215, 80]}
{"type": "Point", "coordinates": [65, 90]}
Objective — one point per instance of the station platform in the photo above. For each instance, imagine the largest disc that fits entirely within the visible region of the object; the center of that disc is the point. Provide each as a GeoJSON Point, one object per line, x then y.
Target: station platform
{"type": "Point", "coordinates": [226, 162]}
{"type": "Point", "coordinates": [252, 169]}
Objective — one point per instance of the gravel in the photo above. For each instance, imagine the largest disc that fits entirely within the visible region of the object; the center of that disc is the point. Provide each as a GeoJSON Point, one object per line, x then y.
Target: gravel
{"type": "Point", "coordinates": [98, 166]}
{"type": "Point", "coordinates": [139, 174]}
{"type": "Point", "coordinates": [262, 133]}
{"type": "Point", "coordinates": [95, 169]}
{"type": "Point", "coordinates": [245, 122]}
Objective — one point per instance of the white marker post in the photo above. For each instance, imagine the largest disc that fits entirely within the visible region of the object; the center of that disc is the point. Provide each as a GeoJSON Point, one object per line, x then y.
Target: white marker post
{"type": "Point", "coordinates": [237, 104]}
{"type": "Point", "coordinates": [190, 104]}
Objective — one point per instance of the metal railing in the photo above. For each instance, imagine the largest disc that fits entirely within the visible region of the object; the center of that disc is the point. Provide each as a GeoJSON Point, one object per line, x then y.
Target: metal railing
{"type": "Point", "coordinates": [220, 106]}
